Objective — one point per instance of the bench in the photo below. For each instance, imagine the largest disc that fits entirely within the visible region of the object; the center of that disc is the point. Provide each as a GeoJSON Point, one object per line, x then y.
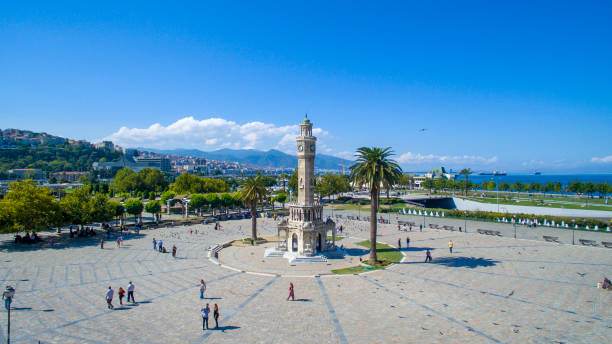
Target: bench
{"type": "Point", "coordinates": [607, 244]}
{"type": "Point", "coordinates": [488, 232]}
{"type": "Point", "coordinates": [587, 242]}
{"type": "Point", "coordinates": [551, 239]}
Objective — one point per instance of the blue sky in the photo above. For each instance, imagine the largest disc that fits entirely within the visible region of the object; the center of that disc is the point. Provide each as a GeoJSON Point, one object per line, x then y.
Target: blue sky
{"type": "Point", "coordinates": [517, 86]}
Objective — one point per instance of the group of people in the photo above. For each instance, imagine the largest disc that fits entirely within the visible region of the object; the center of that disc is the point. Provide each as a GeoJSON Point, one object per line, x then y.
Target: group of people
{"type": "Point", "coordinates": [408, 228]}
{"type": "Point", "coordinates": [206, 309]}
{"type": "Point", "coordinates": [82, 232]}
{"type": "Point", "coordinates": [121, 292]}
{"type": "Point", "coordinates": [159, 246]}
{"type": "Point", "coordinates": [28, 238]}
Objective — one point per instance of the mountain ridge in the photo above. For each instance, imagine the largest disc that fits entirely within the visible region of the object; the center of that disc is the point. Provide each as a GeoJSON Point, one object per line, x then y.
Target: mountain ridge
{"type": "Point", "coordinates": [270, 159]}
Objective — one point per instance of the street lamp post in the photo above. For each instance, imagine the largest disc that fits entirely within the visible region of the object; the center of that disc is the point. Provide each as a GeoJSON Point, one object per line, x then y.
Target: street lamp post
{"type": "Point", "coordinates": [7, 295]}
{"type": "Point", "coordinates": [573, 229]}
{"type": "Point", "coordinates": [497, 191]}
{"type": "Point", "coordinates": [465, 220]}
{"type": "Point", "coordinates": [514, 224]}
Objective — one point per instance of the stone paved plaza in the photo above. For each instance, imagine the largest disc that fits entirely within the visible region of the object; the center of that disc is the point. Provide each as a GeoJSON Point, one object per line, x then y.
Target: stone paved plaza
{"type": "Point", "coordinates": [492, 289]}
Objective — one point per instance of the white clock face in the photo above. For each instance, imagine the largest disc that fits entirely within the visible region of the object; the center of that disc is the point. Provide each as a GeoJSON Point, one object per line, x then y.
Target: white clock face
{"type": "Point", "coordinates": [300, 148]}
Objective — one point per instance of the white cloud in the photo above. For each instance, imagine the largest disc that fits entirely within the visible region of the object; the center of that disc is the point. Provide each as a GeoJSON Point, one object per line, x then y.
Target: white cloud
{"type": "Point", "coordinates": [210, 134]}
{"type": "Point", "coordinates": [602, 160]}
{"type": "Point", "coordinates": [418, 158]}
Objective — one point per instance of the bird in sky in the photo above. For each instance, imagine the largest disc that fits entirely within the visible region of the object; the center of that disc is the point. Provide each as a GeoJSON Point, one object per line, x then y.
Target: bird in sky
{"type": "Point", "coordinates": [422, 130]}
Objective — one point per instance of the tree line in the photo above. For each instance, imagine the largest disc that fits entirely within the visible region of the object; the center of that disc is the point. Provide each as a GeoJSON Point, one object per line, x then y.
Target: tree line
{"type": "Point", "coordinates": [577, 187]}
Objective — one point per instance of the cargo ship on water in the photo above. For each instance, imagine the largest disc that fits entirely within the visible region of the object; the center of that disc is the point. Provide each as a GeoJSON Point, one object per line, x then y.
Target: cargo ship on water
{"type": "Point", "coordinates": [494, 173]}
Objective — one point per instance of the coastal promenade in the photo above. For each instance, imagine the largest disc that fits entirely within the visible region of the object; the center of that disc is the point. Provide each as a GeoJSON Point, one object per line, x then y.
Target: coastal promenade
{"type": "Point", "coordinates": [490, 290]}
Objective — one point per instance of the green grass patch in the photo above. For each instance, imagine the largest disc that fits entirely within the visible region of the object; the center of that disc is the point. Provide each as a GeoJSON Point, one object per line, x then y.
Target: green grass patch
{"type": "Point", "coordinates": [353, 270]}
{"type": "Point", "coordinates": [338, 238]}
{"type": "Point", "coordinates": [386, 254]}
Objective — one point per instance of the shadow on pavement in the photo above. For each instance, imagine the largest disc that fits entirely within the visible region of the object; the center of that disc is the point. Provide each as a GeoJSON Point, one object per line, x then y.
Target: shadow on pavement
{"type": "Point", "coordinates": [464, 262]}
{"type": "Point", "coordinates": [224, 328]}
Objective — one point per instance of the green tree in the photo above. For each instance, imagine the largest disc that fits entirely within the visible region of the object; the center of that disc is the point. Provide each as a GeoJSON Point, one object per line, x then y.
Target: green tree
{"type": "Point", "coordinates": [330, 184]}
{"type": "Point", "coordinates": [27, 207]}
{"type": "Point", "coordinates": [293, 183]}
{"type": "Point", "coordinates": [126, 180]}
{"type": "Point", "coordinates": [168, 195]}
{"type": "Point", "coordinates": [117, 209]}
{"type": "Point", "coordinates": [134, 206]}
{"type": "Point", "coordinates": [428, 183]}
{"type": "Point", "coordinates": [491, 185]}
{"type": "Point", "coordinates": [504, 186]}
{"type": "Point", "coordinates": [281, 197]}
{"type": "Point", "coordinates": [376, 169]}
{"type": "Point", "coordinates": [406, 180]}
{"type": "Point", "coordinates": [213, 201]}
{"type": "Point", "coordinates": [252, 193]}
{"type": "Point", "coordinates": [188, 183]}
{"type": "Point", "coordinates": [604, 189]}
{"type": "Point", "coordinates": [197, 201]}
{"type": "Point", "coordinates": [466, 172]}
{"type": "Point", "coordinates": [439, 184]}
{"type": "Point", "coordinates": [226, 200]}
{"type": "Point", "coordinates": [576, 187]}
{"type": "Point", "coordinates": [153, 207]}
{"type": "Point", "coordinates": [101, 209]}
{"type": "Point", "coordinates": [517, 186]}
{"type": "Point", "coordinates": [589, 188]}
{"type": "Point", "coordinates": [78, 206]}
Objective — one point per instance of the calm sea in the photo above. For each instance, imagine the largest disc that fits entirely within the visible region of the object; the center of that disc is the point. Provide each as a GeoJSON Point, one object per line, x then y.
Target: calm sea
{"type": "Point", "coordinates": [542, 178]}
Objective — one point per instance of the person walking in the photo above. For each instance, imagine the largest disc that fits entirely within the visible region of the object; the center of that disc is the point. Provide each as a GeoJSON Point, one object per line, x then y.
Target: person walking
{"type": "Point", "coordinates": [291, 294]}
{"type": "Point", "coordinates": [421, 227]}
{"type": "Point", "coordinates": [121, 293]}
{"type": "Point", "coordinates": [202, 289]}
{"type": "Point", "coordinates": [450, 246]}
{"type": "Point", "coordinates": [102, 243]}
{"type": "Point", "coordinates": [407, 242]}
{"type": "Point", "coordinates": [205, 312]}
{"type": "Point", "coordinates": [154, 244]}
{"type": "Point", "coordinates": [130, 292]}
{"type": "Point", "coordinates": [173, 251]}
{"type": "Point", "coordinates": [399, 244]}
{"type": "Point", "coordinates": [427, 256]}
{"type": "Point", "coordinates": [109, 298]}
{"type": "Point", "coordinates": [160, 245]}
{"type": "Point", "coordinates": [216, 315]}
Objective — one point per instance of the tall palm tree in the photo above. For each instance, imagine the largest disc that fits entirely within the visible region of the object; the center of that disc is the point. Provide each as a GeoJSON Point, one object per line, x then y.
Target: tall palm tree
{"type": "Point", "coordinates": [375, 169]}
{"type": "Point", "coordinates": [466, 172]}
{"type": "Point", "coordinates": [253, 191]}
{"type": "Point", "coordinates": [283, 178]}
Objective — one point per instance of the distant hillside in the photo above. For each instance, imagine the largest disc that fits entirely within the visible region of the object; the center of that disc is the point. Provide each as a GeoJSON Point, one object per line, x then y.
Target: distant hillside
{"type": "Point", "coordinates": [271, 159]}
{"type": "Point", "coordinates": [27, 149]}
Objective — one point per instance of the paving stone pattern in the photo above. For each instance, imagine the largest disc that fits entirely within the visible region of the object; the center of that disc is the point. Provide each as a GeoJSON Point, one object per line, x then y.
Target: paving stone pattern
{"type": "Point", "coordinates": [492, 289]}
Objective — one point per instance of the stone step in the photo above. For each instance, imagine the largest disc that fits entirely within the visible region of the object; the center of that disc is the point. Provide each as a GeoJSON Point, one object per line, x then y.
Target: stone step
{"type": "Point", "coordinates": [317, 259]}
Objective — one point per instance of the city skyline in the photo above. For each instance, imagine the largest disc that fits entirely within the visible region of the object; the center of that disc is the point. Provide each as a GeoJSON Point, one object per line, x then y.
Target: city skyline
{"type": "Point", "coordinates": [494, 86]}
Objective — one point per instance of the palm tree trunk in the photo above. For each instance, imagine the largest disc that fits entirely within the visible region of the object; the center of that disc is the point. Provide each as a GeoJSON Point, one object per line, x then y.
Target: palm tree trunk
{"type": "Point", "coordinates": [253, 223]}
{"type": "Point", "coordinates": [373, 210]}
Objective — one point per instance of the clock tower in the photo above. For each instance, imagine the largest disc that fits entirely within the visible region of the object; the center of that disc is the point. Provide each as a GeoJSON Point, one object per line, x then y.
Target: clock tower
{"type": "Point", "coordinates": [305, 230]}
{"type": "Point", "coordinates": [306, 145]}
